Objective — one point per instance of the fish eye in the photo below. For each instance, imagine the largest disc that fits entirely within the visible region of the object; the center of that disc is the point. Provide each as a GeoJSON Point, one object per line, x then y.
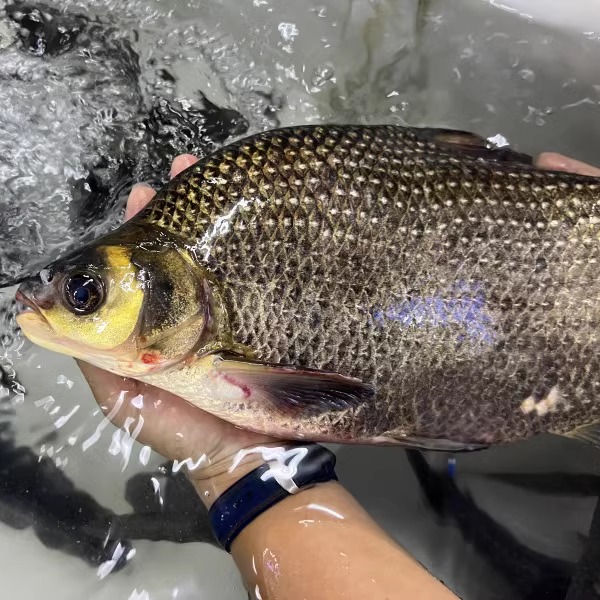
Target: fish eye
{"type": "Point", "coordinates": [83, 292]}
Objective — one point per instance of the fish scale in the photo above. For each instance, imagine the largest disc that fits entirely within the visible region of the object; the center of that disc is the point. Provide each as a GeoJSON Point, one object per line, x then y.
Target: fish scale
{"type": "Point", "coordinates": [454, 278]}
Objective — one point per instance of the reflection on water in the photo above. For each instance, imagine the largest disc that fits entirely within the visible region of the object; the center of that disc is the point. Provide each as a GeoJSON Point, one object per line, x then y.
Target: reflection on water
{"type": "Point", "coordinates": [98, 94]}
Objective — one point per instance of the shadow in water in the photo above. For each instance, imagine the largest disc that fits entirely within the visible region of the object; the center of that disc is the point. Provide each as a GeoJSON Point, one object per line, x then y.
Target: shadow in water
{"type": "Point", "coordinates": [35, 493]}
{"type": "Point", "coordinates": [531, 574]}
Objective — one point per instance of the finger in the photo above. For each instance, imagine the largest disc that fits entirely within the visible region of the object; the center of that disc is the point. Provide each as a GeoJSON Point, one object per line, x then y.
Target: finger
{"type": "Point", "coordinates": [559, 162]}
{"type": "Point", "coordinates": [181, 163]}
{"type": "Point", "coordinates": [141, 193]}
{"type": "Point", "coordinates": [139, 196]}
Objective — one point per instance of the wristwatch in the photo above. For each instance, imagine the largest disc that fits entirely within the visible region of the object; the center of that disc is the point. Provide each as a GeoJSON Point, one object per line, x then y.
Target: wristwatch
{"type": "Point", "coordinates": [286, 471]}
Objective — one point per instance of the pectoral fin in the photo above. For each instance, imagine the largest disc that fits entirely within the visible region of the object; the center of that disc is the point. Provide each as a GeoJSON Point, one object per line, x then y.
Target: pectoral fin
{"type": "Point", "coordinates": [293, 390]}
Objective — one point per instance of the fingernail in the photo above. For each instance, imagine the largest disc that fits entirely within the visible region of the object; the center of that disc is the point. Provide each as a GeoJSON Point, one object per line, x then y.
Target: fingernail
{"type": "Point", "coordinates": [552, 160]}
{"type": "Point", "coordinates": [185, 160]}
{"type": "Point", "coordinates": [142, 184]}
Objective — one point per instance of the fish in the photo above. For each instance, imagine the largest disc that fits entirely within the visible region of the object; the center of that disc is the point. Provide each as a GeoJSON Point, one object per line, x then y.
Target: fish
{"type": "Point", "coordinates": [378, 284]}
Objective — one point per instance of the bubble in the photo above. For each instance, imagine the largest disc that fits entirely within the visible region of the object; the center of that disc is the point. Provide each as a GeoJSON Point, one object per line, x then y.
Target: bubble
{"type": "Point", "coordinates": [63, 380]}
{"type": "Point", "coordinates": [61, 421]}
{"type": "Point", "coordinates": [145, 454]}
{"type": "Point", "coordinates": [320, 11]}
{"type": "Point", "coordinates": [527, 75]}
{"type": "Point", "coordinates": [322, 75]}
{"type": "Point", "coordinates": [288, 31]}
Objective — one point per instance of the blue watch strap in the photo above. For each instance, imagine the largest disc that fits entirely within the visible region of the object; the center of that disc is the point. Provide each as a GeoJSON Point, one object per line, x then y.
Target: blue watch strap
{"type": "Point", "coordinates": [253, 494]}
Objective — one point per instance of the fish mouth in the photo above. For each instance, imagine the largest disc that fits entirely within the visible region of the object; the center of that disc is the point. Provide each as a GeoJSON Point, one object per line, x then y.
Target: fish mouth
{"type": "Point", "coordinates": [26, 304]}
{"type": "Point", "coordinates": [29, 314]}
{"type": "Point", "coordinates": [35, 326]}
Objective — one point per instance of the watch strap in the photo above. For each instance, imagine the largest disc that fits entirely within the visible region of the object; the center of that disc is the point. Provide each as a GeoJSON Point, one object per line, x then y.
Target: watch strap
{"type": "Point", "coordinates": [267, 485]}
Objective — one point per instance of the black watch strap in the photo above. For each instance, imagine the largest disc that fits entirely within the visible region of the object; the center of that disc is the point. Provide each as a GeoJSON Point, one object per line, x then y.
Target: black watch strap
{"type": "Point", "coordinates": [296, 468]}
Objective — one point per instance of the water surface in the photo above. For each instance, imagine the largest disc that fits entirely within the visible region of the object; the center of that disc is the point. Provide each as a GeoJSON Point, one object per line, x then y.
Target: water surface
{"type": "Point", "coordinates": [98, 94]}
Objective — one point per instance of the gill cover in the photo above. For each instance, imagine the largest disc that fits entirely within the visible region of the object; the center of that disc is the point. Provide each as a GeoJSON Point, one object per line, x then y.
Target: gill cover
{"type": "Point", "coordinates": [176, 315]}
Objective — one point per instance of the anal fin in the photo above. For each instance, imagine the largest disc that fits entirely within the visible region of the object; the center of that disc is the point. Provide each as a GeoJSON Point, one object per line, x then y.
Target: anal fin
{"type": "Point", "coordinates": [587, 433]}
{"type": "Point", "coordinates": [436, 444]}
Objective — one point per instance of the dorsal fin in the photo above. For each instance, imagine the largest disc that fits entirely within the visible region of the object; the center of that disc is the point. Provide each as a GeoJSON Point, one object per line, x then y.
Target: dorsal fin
{"type": "Point", "coordinates": [466, 142]}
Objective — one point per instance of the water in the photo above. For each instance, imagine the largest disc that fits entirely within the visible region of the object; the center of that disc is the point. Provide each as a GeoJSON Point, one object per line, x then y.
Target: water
{"type": "Point", "coordinates": [105, 113]}
{"type": "Point", "coordinates": [98, 94]}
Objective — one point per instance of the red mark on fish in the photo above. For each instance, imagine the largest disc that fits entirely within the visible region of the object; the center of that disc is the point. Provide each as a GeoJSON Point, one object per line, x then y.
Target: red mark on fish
{"type": "Point", "coordinates": [150, 359]}
{"type": "Point", "coordinates": [245, 389]}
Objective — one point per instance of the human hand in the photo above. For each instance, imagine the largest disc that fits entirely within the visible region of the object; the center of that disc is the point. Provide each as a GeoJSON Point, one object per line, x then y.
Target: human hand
{"type": "Point", "coordinates": [559, 162]}
{"type": "Point", "coordinates": [170, 425]}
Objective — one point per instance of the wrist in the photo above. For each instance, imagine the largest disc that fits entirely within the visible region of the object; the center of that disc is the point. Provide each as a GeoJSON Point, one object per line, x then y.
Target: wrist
{"type": "Point", "coordinates": [224, 471]}
{"type": "Point", "coordinates": [211, 487]}
{"type": "Point", "coordinates": [282, 471]}
{"type": "Point", "coordinates": [294, 509]}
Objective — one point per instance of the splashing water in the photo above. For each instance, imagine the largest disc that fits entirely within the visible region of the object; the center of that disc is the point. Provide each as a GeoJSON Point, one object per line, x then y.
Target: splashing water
{"type": "Point", "coordinates": [83, 115]}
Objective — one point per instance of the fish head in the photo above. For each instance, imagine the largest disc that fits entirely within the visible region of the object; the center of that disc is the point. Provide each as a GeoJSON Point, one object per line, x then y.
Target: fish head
{"type": "Point", "coordinates": [132, 303]}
